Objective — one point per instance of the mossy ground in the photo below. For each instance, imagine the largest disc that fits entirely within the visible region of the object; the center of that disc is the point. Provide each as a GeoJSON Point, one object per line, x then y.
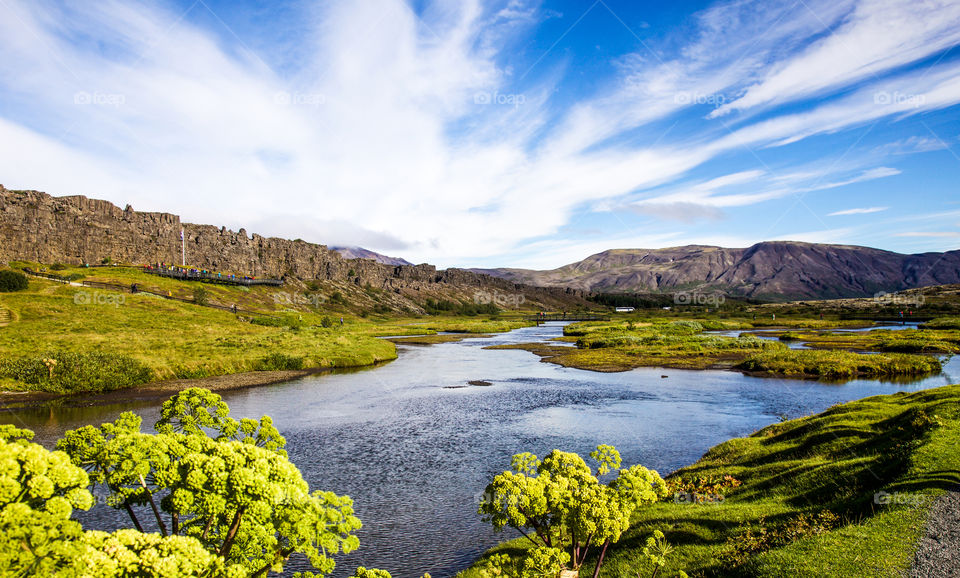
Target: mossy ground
{"type": "Point", "coordinates": [875, 464]}
{"type": "Point", "coordinates": [684, 344]}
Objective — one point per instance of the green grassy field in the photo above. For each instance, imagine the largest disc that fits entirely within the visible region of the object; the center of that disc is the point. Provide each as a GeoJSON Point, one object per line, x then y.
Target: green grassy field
{"type": "Point", "coordinates": [175, 339]}
{"type": "Point", "coordinates": [841, 493]}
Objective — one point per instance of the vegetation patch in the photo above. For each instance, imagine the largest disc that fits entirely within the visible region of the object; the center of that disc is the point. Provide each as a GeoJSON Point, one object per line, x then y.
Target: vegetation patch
{"type": "Point", "coordinates": [894, 341]}
{"type": "Point", "coordinates": [838, 364]}
{"type": "Point", "coordinates": [69, 372]}
{"type": "Point", "coordinates": [687, 344]}
{"type": "Point", "coordinates": [280, 362]}
{"type": "Point", "coordinates": [11, 281]}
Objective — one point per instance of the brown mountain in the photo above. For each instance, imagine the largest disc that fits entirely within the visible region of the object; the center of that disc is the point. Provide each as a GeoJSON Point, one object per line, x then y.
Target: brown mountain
{"type": "Point", "coordinates": [778, 270]}
{"type": "Point", "coordinates": [361, 253]}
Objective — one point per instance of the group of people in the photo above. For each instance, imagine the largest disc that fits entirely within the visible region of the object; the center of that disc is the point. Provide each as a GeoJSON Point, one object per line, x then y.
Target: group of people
{"type": "Point", "coordinates": [163, 268]}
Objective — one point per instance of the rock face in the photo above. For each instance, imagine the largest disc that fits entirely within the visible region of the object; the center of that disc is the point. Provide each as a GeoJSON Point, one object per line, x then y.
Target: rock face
{"type": "Point", "coordinates": [772, 270]}
{"type": "Point", "coordinates": [35, 226]}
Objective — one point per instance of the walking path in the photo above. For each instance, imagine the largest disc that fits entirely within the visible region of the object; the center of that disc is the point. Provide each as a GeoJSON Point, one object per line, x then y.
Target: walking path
{"type": "Point", "coordinates": [938, 555]}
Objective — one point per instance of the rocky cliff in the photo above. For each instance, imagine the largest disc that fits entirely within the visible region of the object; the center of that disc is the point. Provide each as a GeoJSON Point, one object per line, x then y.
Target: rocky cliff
{"type": "Point", "coordinates": [35, 226]}
{"type": "Point", "coordinates": [778, 270]}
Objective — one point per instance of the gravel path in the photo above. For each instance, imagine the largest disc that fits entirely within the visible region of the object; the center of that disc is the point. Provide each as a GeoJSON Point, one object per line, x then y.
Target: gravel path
{"type": "Point", "coordinates": [939, 553]}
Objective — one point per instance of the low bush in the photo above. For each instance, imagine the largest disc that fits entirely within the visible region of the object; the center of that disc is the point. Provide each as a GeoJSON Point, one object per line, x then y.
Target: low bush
{"type": "Point", "coordinates": [279, 362]}
{"type": "Point", "coordinates": [11, 281]}
{"type": "Point", "coordinates": [67, 372]}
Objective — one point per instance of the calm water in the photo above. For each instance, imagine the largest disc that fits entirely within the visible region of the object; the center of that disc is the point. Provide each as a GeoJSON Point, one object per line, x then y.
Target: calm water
{"type": "Point", "coordinates": [414, 450]}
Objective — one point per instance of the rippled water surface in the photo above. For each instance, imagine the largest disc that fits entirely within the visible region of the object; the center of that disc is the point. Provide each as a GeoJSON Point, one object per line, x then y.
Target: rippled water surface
{"type": "Point", "coordinates": [414, 450]}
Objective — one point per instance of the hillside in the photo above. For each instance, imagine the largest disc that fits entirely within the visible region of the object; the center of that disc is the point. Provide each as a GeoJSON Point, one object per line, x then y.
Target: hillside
{"type": "Point", "coordinates": [75, 230]}
{"type": "Point", "coordinates": [779, 270]}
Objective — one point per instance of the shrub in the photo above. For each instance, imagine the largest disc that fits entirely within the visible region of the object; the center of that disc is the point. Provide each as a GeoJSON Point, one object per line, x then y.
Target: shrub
{"type": "Point", "coordinates": [58, 267]}
{"type": "Point", "coordinates": [201, 296]}
{"type": "Point", "coordinates": [279, 362]}
{"type": "Point", "coordinates": [11, 281]}
{"type": "Point", "coordinates": [326, 321]}
{"type": "Point", "coordinates": [740, 548]}
{"type": "Point", "coordinates": [77, 372]}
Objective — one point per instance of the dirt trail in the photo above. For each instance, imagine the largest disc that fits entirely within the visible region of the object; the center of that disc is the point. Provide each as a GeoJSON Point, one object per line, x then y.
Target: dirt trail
{"type": "Point", "coordinates": [938, 554]}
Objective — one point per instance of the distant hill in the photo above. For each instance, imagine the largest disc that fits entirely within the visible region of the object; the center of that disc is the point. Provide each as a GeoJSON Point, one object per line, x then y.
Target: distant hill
{"type": "Point", "coordinates": [361, 253]}
{"type": "Point", "coordinates": [776, 270]}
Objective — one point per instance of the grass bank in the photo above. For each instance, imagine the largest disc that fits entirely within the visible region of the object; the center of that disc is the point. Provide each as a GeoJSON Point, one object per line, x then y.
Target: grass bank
{"type": "Point", "coordinates": [624, 345]}
{"type": "Point", "coordinates": [101, 340]}
{"type": "Point", "coordinates": [894, 341]}
{"type": "Point", "coordinates": [842, 493]}
{"type": "Point", "coordinates": [173, 340]}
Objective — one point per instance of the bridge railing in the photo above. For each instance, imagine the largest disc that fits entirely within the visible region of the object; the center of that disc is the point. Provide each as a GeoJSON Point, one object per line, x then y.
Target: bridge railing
{"type": "Point", "coordinates": [568, 317]}
{"type": "Point", "coordinates": [207, 276]}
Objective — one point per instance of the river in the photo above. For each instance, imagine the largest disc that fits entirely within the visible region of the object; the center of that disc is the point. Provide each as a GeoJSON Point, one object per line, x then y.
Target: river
{"type": "Point", "coordinates": [414, 445]}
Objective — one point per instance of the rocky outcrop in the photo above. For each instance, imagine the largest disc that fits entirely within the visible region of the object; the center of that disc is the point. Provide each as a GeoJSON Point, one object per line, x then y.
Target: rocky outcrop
{"type": "Point", "coordinates": [35, 226]}
{"type": "Point", "coordinates": [778, 270]}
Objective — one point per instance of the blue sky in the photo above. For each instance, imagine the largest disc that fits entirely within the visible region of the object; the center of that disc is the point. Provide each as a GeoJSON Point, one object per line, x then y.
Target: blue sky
{"type": "Point", "coordinates": [509, 133]}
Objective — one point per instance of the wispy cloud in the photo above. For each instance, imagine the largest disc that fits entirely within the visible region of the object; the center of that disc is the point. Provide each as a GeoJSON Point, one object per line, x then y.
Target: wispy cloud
{"type": "Point", "coordinates": [858, 211]}
{"type": "Point", "coordinates": [929, 234]}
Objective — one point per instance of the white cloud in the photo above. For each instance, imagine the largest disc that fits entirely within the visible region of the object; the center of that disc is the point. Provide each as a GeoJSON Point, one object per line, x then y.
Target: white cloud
{"type": "Point", "coordinates": [858, 211]}
{"type": "Point", "coordinates": [929, 234]}
{"type": "Point", "coordinates": [877, 36]}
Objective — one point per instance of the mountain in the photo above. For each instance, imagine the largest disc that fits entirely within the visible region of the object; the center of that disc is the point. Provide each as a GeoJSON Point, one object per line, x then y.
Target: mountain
{"type": "Point", "coordinates": [361, 253]}
{"type": "Point", "coordinates": [776, 270]}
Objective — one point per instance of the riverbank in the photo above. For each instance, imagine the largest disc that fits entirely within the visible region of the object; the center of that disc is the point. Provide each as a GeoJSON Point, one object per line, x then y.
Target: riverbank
{"type": "Point", "coordinates": [160, 390]}
{"type": "Point", "coordinates": [846, 492]}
